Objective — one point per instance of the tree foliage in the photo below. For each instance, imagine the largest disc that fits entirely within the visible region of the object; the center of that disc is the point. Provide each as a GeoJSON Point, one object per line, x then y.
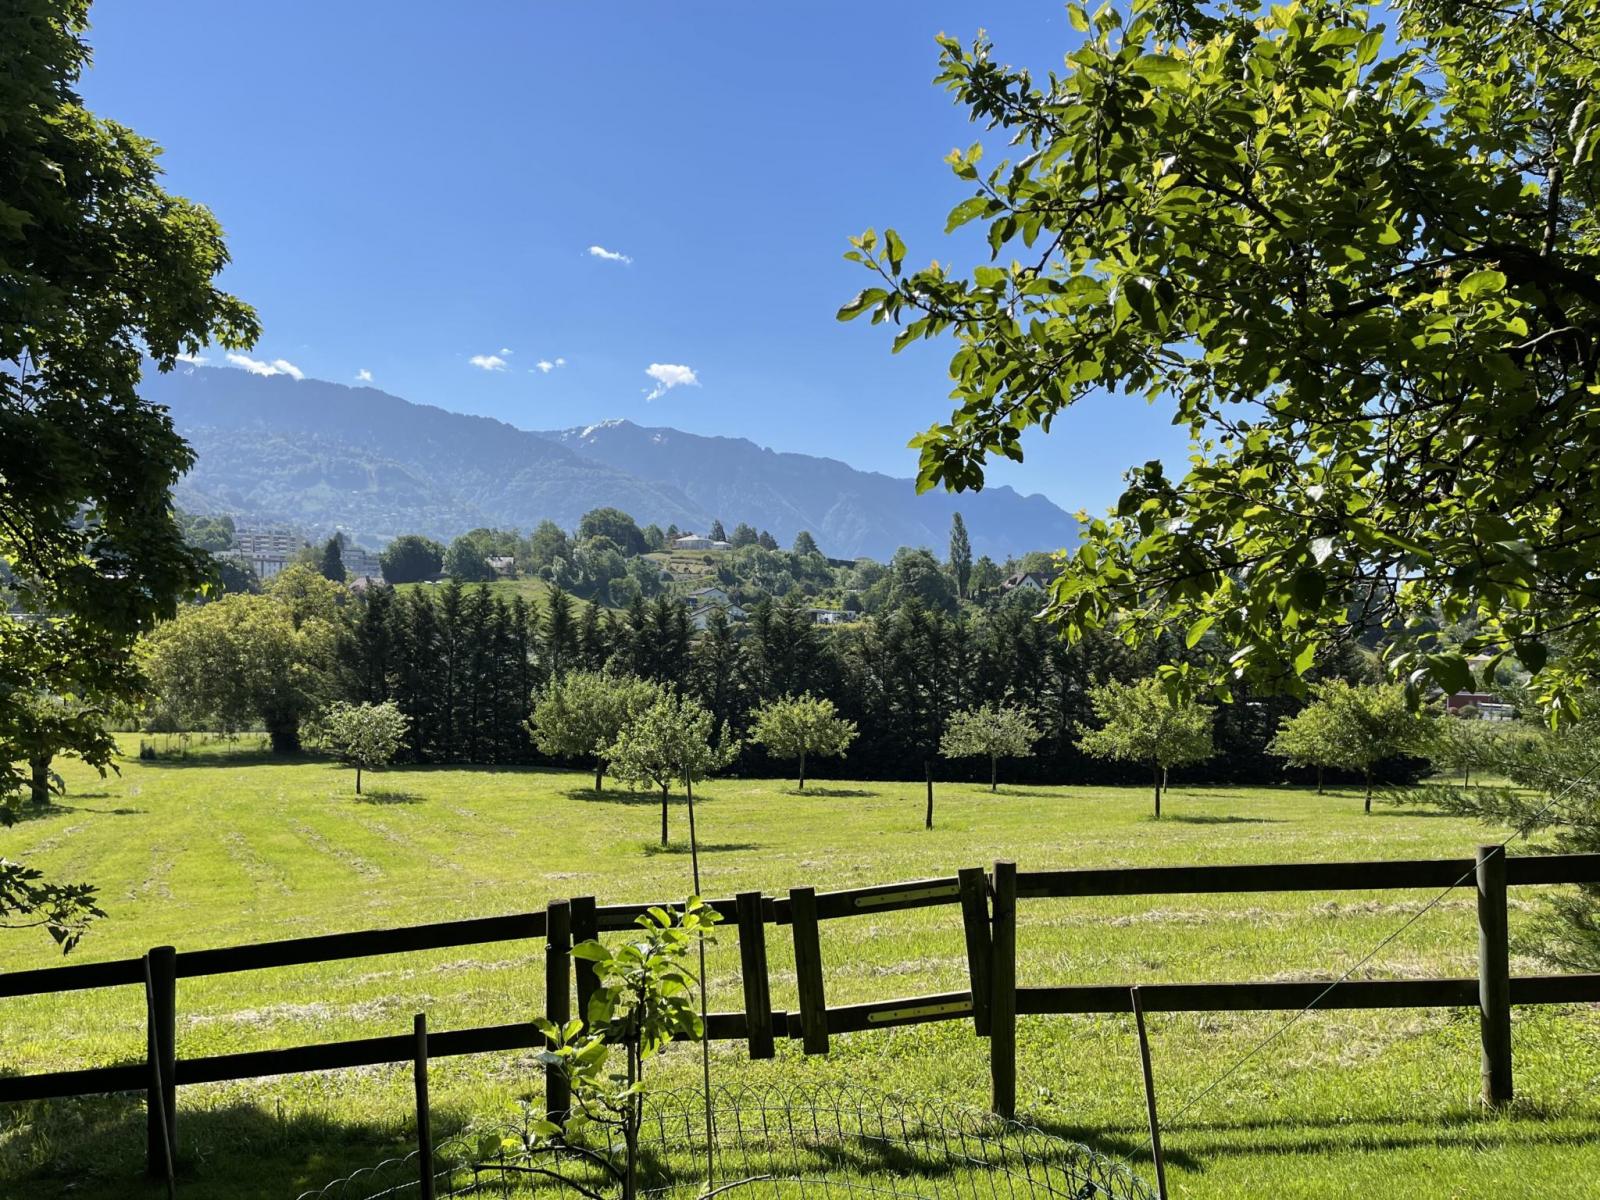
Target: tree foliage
{"type": "Point", "coordinates": [674, 741]}
{"type": "Point", "coordinates": [1143, 722]}
{"type": "Point", "coordinates": [990, 731]}
{"type": "Point", "coordinates": [1354, 726]}
{"type": "Point", "coordinates": [364, 735]}
{"type": "Point", "coordinates": [960, 555]}
{"type": "Point", "coordinates": [801, 727]}
{"type": "Point", "coordinates": [582, 713]}
{"type": "Point", "coordinates": [1353, 248]}
{"type": "Point", "coordinates": [242, 660]}
{"type": "Point", "coordinates": [411, 558]}
{"type": "Point", "coordinates": [100, 269]}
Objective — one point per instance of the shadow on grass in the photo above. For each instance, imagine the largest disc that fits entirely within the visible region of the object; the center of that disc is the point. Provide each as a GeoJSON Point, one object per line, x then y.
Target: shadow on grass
{"type": "Point", "coordinates": [623, 796]}
{"type": "Point", "coordinates": [93, 1148]}
{"type": "Point", "coordinates": [1203, 819]}
{"type": "Point", "coordinates": [35, 812]}
{"type": "Point", "coordinates": [651, 849]}
{"type": "Point", "coordinates": [1289, 1137]}
{"type": "Point", "coordinates": [385, 796]}
{"type": "Point", "coordinates": [827, 792]}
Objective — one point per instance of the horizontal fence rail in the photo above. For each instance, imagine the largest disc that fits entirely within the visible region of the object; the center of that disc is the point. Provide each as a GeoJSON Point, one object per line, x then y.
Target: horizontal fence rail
{"type": "Point", "coordinates": [987, 901]}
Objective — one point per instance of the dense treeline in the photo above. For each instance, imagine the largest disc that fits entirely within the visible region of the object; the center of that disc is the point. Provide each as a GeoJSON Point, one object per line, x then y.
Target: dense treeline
{"type": "Point", "coordinates": [465, 666]}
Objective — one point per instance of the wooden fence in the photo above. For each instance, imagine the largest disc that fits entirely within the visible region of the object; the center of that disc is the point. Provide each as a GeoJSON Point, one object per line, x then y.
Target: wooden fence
{"type": "Point", "coordinates": [987, 901]}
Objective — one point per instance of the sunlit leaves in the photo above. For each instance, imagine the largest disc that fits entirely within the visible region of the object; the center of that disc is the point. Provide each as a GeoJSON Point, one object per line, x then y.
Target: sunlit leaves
{"type": "Point", "coordinates": [1325, 235]}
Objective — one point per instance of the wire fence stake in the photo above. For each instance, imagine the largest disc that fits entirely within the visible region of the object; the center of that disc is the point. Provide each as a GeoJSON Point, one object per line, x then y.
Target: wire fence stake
{"type": "Point", "coordinates": [1150, 1095]}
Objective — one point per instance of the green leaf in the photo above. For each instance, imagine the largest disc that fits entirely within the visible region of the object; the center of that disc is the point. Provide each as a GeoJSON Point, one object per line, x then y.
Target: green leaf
{"type": "Point", "coordinates": [1481, 283]}
{"type": "Point", "coordinates": [1159, 68]}
{"type": "Point", "coordinates": [862, 301]}
{"type": "Point", "coordinates": [1198, 631]}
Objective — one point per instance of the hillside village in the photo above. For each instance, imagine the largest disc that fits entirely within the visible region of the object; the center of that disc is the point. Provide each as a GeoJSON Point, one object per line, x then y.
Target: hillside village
{"type": "Point", "coordinates": [611, 561]}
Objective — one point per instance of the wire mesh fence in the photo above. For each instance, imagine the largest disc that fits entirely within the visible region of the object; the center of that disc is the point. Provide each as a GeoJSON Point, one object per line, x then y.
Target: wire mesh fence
{"type": "Point", "coordinates": [773, 1145]}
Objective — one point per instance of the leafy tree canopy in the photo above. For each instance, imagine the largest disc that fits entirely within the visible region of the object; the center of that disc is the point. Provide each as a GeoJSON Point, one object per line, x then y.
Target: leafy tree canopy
{"type": "Point", "coordinates": [1354, 249]}
{"type": "Point", "coordinates": [581, 714]}
{"type": "Point", "coordinates": [1143, 722]}
{"type": "Point", "coordinates": [674, 741]}
{"type": "Point", "coordinates": [617, 525]}
{"type": "Point", "coordinates": [364, 735]}
{"type": "Point", "coordinates": [100, 268]}
{"type": "Point", "coordinates": [992, 731]}
{"type": "Point", "coordinates": [411, 558]}
{"type": "Point", "coordinates": [1354, 726]}
{"type": "Point", "coordinates": [800, 727]}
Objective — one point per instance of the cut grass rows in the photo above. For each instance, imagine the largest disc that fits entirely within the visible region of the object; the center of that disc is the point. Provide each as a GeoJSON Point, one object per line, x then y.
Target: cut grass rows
{"type": "Point", "coordinates": [220, 850]}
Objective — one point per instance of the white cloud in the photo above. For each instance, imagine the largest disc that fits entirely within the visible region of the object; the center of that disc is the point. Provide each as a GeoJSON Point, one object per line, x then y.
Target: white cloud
{"type": "Point", "coordinates": [198, 360]}
{"type": "Point", "coordinates": [363, 376]}
{"type": "Point", "coordinates": [503, 350]}
{"type": "Point", "coordinates": [610, 255]}
{"type": "Point", "coordinates": [669, 376]}
{"type": "Point", "coordinates": [545, 365]}
{"type": "Point", "coordinates": [488, 362]}
{"type": "Point", "coordinates": [278, 366]}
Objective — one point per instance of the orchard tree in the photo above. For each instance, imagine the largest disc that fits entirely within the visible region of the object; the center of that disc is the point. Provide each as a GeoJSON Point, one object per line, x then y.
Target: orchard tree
{"type": "Point", "coordinates": [802, 727]}
{"type": "Point", "coordinates": [990, 731]}
{"type": "Point", "coordinates": [673, 741]}
{"type": "Point", "coordinates": [1308, 739]}
{"type": "Point", "coordinates": [101, 270]}
{"type": "Point", "coordinates": [364, 735]}
{"type": "Point", "coordinates": [581, 714]}
{"type": "Point", "coordinates": [1358, 726]}
{"type": "Point", "coordinates": [1353, 249]}
{"type": "Point", "coordinates": [411, 558]}
{"type": "Point", "coordinates": [1143, 722]}
{"type": "Point", "coordinates": [960, 555]}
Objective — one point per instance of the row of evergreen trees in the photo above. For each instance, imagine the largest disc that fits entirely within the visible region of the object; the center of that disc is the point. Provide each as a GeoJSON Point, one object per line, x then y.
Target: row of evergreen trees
{"type": "Point", "coordinates": [465, 666]}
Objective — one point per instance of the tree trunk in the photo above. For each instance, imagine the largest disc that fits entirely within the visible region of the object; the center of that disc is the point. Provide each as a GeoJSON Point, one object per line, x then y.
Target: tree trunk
{"type": "Point", "coordinates": [1369, 790]}
{"type": "Point", "coordinates": [285, 734]}
{"type": "Point", "coordinates": [1156, 772]}
{"type": "Point", "coordinates": [994, 773]}
{"type": "Point", "coordinates": [39, 783]}
{"type": "Point", "coordinates": [927, 771]}
{"type": "Point", "coordinates": [1319, 779]}
{"type": "Point", "coordinates": [663, 815]}
{"type": "Point", "coordinates": [599, 770]}
{"type": "Point", "coordinates": [802, 770]}
{"type": "Point", "coordinates": [358, 779]}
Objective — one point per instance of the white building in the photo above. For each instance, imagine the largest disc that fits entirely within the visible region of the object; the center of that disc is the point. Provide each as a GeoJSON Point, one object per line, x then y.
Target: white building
{"type": "Point", "coordinates": [695, 542]}
{"type": "Point", "coordinates": [360, 562]}
{"type": "Point", "coordinates": [267, 551]}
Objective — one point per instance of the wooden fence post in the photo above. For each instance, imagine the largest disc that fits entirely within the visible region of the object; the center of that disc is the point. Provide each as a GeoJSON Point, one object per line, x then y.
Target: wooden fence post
{"type": "Point", "coordinates": [161, 1098]}
{"type": "Point", "coordinates": [557, 999]}
{"type": "Point", "coordinates": [974, 887]}
{"type": "Point", "coordinates": [585, 928]}
{"type": "Point", "coordinates": [419, 1079]}
{"type": "Point", "coordinates": [753, 969]}
{"type": "Point", "coordinates": [1494, 976]}
{"type": "Point", "coordinates": [1003, 993]}
{"type": "Point", "coordinates": [808, 969]}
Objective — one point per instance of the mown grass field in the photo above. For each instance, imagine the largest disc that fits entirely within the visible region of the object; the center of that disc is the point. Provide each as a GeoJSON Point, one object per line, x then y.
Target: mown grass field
{"type": "Point", "coordinates": [219, 850]}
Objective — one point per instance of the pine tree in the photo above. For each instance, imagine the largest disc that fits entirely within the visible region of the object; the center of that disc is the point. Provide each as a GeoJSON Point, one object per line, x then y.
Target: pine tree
{"type": "Point", "coordinates": [558, 642]}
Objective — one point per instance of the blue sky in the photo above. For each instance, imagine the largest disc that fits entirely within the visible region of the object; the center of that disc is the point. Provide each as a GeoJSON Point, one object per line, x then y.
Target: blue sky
{"type": "Point", "coordinates": [408, 187]}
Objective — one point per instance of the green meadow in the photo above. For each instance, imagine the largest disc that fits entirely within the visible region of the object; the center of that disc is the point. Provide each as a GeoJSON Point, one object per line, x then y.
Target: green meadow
{"type": "Point", "coordinates": [227, 846]}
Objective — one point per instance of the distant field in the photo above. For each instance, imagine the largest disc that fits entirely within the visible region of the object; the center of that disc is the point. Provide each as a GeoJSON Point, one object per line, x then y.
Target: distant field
{"type": "Point", "coordinates": [219, 850]}
{"type": "Point", "coordinates": [531, 590]}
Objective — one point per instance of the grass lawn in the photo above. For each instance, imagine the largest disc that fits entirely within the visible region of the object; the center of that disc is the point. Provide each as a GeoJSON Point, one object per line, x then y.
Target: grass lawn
{"type": "Point", "coordinates": [216, 850]}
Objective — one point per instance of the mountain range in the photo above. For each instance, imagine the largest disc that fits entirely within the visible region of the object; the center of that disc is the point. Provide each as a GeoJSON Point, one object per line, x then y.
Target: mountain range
{"type": "Point", "coordinates": [274, 450]}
